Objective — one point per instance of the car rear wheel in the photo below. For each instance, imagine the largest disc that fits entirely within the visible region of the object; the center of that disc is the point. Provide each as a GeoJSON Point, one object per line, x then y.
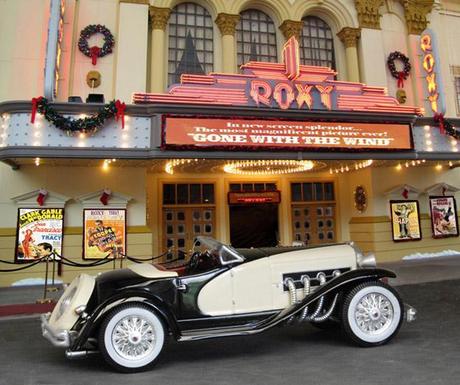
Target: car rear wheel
{"type": "Point", "coordinates": [131, 338]}
{"type": "Point", "coordinates": [372, 314]}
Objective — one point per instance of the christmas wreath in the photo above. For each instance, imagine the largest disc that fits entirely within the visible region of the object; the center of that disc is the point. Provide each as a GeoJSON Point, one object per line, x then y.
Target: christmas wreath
{"type": "Point", "coordinates": [400, 75]}
{"type": "Point", "coordinates": [88, 125]}
{"type": "Point", "coordinates": [95, 51]}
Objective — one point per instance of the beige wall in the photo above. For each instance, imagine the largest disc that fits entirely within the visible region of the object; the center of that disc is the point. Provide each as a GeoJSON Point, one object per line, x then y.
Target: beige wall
{"type": "Point", "coordinates": [72, 182]}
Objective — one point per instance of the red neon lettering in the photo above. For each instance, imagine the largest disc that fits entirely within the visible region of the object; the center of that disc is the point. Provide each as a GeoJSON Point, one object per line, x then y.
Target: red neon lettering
{"type": "Point", "coordinates": [425, 43]}
{"type": "Point", "coordinates": [278, 95]}
{"type": "Point", "coordinates": [434, 102]}
{"type": "Point", "coordinates": [325, 95]}
{"type": "Point", "coordinates": [264, 98]}
{"type": "Point", "coordinates": [431, 82]}
{"type": "Point", "coordinates": [304, 95]}
{"type": "Point", "coordinates": [428, 63]}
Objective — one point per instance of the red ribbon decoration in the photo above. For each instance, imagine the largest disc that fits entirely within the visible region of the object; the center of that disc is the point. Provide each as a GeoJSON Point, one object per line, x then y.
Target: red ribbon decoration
{"type": "Point", "coordinates": [405, 193]}
{"type": "Point", "coordinates": [121, 107]}
{"type": "Point", "coordinates": [401, 77]}
{"type": "Point", "coordinates": [105, 197]}
{"type": "Point", "coordinates": [35, 102]}
{"type": "Point", "coordinates": [94, 52]}
{"type": "Point", "coordinates": [440, 119]}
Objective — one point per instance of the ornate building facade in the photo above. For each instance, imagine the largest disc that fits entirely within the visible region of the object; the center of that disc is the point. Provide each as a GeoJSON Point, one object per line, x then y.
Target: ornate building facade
{"type": "Point", "coordinates": [171, 197]}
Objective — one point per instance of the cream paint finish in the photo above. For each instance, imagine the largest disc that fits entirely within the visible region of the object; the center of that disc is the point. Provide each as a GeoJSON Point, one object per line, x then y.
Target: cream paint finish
{"type": "Point", "coordinates": [149, 271]}
{"type": "Point", "coordinates": [258, 286]}
{"type": "Point", "coordinates": [85, 286]}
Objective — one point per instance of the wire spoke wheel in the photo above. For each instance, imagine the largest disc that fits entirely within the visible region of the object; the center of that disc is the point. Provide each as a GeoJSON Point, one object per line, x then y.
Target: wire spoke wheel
{"type": "Point", "coordinates": [372, 314]}
{"type": "Point", "coordinates": [131, 337]}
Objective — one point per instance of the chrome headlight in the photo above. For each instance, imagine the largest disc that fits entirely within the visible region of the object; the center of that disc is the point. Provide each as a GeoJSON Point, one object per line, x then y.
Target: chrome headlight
{"type": "Point", "coordinates": [66, 301]}
{"type": "Point", "coordinates": [367, 260]}
{"type": "Point", "coordinates": [362, 260]}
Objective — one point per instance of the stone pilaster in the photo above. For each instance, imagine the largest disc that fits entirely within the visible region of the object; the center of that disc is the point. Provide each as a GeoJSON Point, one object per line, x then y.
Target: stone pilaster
{"type": "Point", "coordinates": [349, 36]}
{"type": "Point", "coordinates": [368, 13]}
{"type": "Point", "coordinates": [291, 28]}
{"type": "Point", "coordinates": [158, 18]}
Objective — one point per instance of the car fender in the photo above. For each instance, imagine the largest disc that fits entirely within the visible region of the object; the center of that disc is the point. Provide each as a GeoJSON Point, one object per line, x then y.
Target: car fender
{"type": "Point", "coordinates": [92, 321]}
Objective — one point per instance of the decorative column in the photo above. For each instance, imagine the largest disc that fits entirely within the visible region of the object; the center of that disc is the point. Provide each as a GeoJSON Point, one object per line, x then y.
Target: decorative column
{"type": "Point", "coordinates": [349, 37]}
{"type": "Point", "coordinates": [131, 49]}
{"type": "Point", "coordinates": [372, 60]}
{"type": "Point", "coordinates": [415, 12]}
{"type": "Point", "coordinates": [158, 21]}
{"type": "Point", "coordinates": [227, 24]}
{"type": "Point", "coordinates": [291, 28]}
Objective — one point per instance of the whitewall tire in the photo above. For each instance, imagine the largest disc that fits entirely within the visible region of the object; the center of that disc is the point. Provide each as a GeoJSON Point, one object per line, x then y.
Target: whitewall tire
{"type": "Point", "coordinates": [372, 314]}
{"type": "Point", "coordinates": [131, 337]}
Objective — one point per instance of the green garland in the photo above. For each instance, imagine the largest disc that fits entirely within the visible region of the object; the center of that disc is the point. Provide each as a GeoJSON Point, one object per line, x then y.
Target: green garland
{"type": "Point", "coordinates": [89, 125]}
{"type": "Point", "coordinates": [446, 127]}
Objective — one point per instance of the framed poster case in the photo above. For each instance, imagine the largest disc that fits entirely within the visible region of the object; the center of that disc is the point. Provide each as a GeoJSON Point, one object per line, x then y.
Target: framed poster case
{"type": "Point", "coordinates": [444, 220]}
{"type": "Point", "coordinates": [39, 233]}
{"type": "Point", "coordinates": [405, 221]}
{"type": "Point", "coordinates": [104, 233]}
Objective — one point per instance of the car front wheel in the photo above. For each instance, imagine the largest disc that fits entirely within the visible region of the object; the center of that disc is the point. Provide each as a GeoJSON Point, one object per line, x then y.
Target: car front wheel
{"type": "Point", "coordinates": [131, 338]}
{"type": "Point", "coordinates": [372, 314]}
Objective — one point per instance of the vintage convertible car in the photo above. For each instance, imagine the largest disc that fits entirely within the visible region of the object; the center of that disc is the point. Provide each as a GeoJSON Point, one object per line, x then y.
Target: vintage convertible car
{"type": "Point", "coordinates": [127, 314]}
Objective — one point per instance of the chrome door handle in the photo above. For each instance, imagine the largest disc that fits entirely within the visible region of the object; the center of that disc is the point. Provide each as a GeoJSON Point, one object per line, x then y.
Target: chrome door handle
{"type": "Point", "coordinates": [182, 287]}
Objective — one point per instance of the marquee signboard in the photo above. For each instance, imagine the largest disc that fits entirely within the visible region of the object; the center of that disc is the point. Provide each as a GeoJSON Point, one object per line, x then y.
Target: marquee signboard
{"type": "Point", "coordinates": [280, 134]}
{"type": "Point", "coordinates": [287, 85]}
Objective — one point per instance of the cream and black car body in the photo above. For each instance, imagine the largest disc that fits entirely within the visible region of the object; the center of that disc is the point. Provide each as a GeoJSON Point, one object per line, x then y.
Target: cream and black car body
{"type": "Point", "coordinates": [128, 314]}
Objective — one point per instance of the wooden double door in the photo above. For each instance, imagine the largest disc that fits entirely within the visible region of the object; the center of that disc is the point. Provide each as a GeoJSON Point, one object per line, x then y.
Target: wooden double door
{"type": "Point", "coordinates": [314, 223]}
{"type": "Point", "coordinates": [181, 226]}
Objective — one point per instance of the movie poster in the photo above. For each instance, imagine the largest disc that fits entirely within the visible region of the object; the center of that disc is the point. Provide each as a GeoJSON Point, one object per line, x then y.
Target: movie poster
{"type": "Point", "coordinates": [39, 233]}
{"type": "Point", "coordinates": [405, 221]}
{"type": "Point", "coordinates": [443, 216]}
{"type": "Point", "coordinates": [104, 233]}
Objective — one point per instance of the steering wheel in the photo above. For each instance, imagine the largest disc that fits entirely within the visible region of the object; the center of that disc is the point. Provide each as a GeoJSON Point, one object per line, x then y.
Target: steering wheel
{"type": "Point", "coordinates": [194, 261]}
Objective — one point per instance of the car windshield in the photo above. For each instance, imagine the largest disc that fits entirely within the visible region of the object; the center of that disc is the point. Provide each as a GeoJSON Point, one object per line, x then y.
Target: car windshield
{"type": "Point", "coordinates": [225, 253]}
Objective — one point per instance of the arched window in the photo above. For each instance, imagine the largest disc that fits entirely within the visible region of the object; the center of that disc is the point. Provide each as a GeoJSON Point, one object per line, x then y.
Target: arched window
{"type": "Point", "coordinates": [190, 41]}
{"type": "Point", "coordinates": [255, 37]}
{"type": "Point", "coordinates": [316, 43]}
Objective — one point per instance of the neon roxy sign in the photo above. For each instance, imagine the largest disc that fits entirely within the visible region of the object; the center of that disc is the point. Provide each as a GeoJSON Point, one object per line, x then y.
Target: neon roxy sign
{"type": "Point", "coordinates": [430, 64]}
{"type": "Point", "coordinates": [287, 85]}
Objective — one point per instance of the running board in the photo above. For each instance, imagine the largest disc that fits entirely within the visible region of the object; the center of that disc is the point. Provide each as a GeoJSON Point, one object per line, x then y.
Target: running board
{"type": "Point", "coordinates": [284, 315]}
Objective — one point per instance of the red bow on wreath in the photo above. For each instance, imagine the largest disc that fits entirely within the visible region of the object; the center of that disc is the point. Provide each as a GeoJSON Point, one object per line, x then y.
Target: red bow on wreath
{"type": "Point", "coordinates": [94, 53]}
{"type": "Point", "coordinates": [121, 107]}
{"type": "Point", "coordinates": [35, 102]}
{"type": "Point", "coordinates": [440, 119]}
{"type": "Point", "coordinates": [401, 77]}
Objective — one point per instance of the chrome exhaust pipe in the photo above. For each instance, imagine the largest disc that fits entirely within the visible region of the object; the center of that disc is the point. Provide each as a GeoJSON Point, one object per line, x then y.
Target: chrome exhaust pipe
{"type": "Point", "coordinates": [79, 354]}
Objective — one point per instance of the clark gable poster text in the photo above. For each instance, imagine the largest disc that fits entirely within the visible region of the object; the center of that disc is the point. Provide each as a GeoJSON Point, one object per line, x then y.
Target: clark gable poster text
{"type": "Point", "coordinates": [39, 233]}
